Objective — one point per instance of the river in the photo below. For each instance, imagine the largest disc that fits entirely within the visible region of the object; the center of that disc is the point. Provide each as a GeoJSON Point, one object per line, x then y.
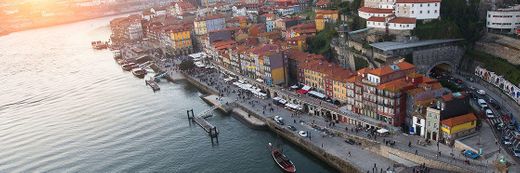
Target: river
{"type": "Point", "coordinates": [67, 108]}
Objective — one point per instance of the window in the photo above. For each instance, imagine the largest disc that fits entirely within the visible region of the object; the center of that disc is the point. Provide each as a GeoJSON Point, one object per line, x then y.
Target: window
{"type": "Point", "coordinates": [420, 5]}
{"type": "Point", "coordinates": [428, 11]}
{"type": "Point", "coordinates": [435, 11]}
{"type": "Point", "coordinates": [420, 11]}
{"type": "Point", "coordinates": [412, 12]}
{"type": "Point", "coordinates": [472, 122]}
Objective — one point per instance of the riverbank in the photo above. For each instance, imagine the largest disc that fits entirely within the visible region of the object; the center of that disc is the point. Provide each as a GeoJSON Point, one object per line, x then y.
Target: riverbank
{"type": "Point", "coordinates": [62, 21]}
{"type": "Point", "coordinates": [369, 155]}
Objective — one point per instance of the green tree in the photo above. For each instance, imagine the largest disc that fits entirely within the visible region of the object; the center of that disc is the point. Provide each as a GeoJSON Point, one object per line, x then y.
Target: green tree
{"type": "Point", "coordinates": [320, 44]}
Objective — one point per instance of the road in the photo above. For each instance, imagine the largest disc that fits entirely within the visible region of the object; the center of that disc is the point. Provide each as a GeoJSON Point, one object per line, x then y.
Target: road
{"type": "Point", "coordinates": [336, 145]}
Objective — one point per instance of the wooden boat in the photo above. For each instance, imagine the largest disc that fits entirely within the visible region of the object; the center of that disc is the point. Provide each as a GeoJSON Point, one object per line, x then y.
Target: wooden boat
{"type": "Point", "coordinates": [282, 160]}
{"type": "Point", "coordinates": [98, 45]}
{"type": "Point", "coordinates": [139, 72]}
{"type": "Point", "coordinates": [150, 82]}
{"type": "Point", "coordinates": [128, 66]}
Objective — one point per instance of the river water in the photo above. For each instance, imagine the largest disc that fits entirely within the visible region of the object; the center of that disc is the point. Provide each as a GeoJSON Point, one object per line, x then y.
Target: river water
{"type": "Point", "coordinates": [67, 108]}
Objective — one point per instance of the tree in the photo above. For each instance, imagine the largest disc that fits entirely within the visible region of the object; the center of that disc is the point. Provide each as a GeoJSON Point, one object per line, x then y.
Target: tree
{"type": "Point", "coordinates": [186, 65]}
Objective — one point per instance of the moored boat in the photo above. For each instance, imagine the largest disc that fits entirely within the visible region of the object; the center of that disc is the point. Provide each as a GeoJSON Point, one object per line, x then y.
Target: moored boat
{"type": "Point", "coordinates": [128, 66]}
{"type": "Point", "coordinates": [98, 45]}
{"type": "Point", "coordinates": [282, 160]}
{"type": "Point", "coordinates": [139, 72]}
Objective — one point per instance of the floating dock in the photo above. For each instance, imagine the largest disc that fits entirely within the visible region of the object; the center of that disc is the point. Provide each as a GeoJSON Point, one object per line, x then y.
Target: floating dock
{"type": "Point", "coordinates": [202, 122]}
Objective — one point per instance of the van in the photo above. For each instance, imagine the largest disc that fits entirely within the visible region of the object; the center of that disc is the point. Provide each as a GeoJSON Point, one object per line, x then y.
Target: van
{"type": "Point", "coordinates": [489, 113]}
{"type": "Point", "coordinates": [482, 103]}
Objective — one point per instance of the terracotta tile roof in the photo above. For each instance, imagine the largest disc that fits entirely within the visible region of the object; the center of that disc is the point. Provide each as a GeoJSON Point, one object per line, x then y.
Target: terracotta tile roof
{"type": "Point", "coordinates": [396, 85]}
{"type": "Point", "coordinates": [451, 122]}
{"type": "Point", "coordinates": [376, 19]}
{"type": "Point", "coordinates": [318, 12]}
{"type": "Point", "coordinates": [417, 1]}
{"type": "Point", "coordinates": [403, 20]}
{"type": "Point", "coordinates": [264, 49]}
{"type": "Point", "coordinates": [381, 71]}
{"type": "Point", "coordinates": [322, 2]}
{"type": "Point", "coordinates": [375, 10]}
{"type": "Point", "coordinates": [447, 97]}
{"type": "Point", "coordinates": [270, 15]}
{"type": "Point", "coordinates": [301, 57]}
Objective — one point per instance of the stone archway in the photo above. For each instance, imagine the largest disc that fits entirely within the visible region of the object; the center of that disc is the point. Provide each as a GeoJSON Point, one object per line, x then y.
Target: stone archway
{"type": "Point", "coordinates": [442, 66]}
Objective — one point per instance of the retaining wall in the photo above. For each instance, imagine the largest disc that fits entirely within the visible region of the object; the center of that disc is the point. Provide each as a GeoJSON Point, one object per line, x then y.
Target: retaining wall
{"type": "Point", "coordinates": [333, 161]}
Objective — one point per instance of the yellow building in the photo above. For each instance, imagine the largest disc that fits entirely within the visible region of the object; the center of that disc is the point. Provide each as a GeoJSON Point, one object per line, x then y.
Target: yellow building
{"type": "Point", "coordinates": [200, 27]}
{"type": "Point", "coordinates": [325, 16]}
{"type": "Point", "coordinates": [340, 89]}
{"type": "Point", "coordinates": [459, 126]}
{"type": "Point", "coordinates": [181, 39]}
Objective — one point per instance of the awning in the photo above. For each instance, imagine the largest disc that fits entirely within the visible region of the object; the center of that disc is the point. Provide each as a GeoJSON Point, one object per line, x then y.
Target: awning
{"type": "Point", "coordinates": [317, 94]}
{"type": "Point", "coordinates": [293, 106]}
{"type": "Point", "coordinates": [306, 88]}
{"type": "Point", "coordinates": [382, 131]}
{"type": "Point", "coordinates": [301, 91]}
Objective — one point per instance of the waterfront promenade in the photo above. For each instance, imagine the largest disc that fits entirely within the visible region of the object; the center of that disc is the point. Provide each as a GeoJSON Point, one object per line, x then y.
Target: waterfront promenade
{"type": "Point", "coordinates": [363, 157]}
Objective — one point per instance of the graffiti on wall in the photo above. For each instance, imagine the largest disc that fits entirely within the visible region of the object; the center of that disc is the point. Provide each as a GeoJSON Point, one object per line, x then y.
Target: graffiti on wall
{"type": "Point", "coordinates": [509, 88]}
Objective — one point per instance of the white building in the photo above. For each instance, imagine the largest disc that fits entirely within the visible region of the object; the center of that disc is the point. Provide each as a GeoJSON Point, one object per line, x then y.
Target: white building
{"type": "Point", "coordinates": [398, 14]}
{"type": "Point", "coordinates": [419, 9]}
{"type": "Point", "coordinates": [392, 22]}
{"type": "Point", "coordinates": [367, 12]}
{"type": "Point", "coordinates": [135, 31]}
{"type": "Point", "coordinates": [505, 20]}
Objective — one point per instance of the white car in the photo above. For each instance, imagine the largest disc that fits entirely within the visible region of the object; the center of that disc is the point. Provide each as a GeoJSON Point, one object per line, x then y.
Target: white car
{"type": "Point", "coordinates": [482, 103]}
{"type": "Point", "coordinates": [489, 113]}
{"type": "Point", "coordinates": [303, 133]}
{"type": "Point", "coordinates": [481, 92]}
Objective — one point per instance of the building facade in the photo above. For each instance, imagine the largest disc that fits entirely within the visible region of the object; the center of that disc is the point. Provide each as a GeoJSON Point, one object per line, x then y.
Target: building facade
{"type": "Point", "coordinates": [505, 20]}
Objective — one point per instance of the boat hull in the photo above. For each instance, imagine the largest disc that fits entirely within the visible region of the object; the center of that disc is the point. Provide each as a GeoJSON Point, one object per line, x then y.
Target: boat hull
{"type": "Point", "coordinates": [282, 161]}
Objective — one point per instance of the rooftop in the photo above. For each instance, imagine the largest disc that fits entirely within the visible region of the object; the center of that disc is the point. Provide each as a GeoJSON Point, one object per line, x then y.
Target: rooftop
{"type": "Point", "coordinates": [392, 45]}
{"type": "Point", "coordinates": [387, 69]}
{"type": "Point", "coordinates": [451, 122]}
{"type": "Point", "coordinates": [417, 1]}
{"type": "Point", "coordinates": [404, 20]}
{"type": "Point", "coordinates": [375, 10]}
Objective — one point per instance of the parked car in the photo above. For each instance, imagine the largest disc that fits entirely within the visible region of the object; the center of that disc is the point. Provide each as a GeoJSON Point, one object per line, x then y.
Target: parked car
{"type": "Point", "coordinates": [278, 120]}
{"type": "Point", "coordinates": [511, 126]}
{"type": "Point", "coordinates": [302, 133]}
{"type": "Point", "coordinates": [516, 152]}
{"type": "Point", "coordinates": [291, 128]}
{"type": "Point", "coordinates": [350, 141]}
{"type": "Point", "coordinates": [470, 154]}
{"type": "Point", "coordinates": [507, 141]}
{"type": "Point", "coordinates": [489, 113]}
{"type": "Point", "coordinates": [482, 103]}
{"type": "Point", "coordinates": [500, 126]}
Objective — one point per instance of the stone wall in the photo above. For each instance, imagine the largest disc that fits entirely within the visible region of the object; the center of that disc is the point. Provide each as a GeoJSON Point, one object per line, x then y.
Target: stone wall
{"type": "Point", "coordinates": [425, 60]}
{"type": "Point", "coordinates": [333, 161]}
{"type": "Point", "coordinates": [200, 85]}
{"type": "Point", "coordinates": [388, 152]}
{"type": "Point", "coordinates": [500, 46]}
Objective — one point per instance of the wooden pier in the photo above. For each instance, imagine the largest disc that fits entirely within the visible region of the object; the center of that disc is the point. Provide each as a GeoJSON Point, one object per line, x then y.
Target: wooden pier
{"type": "Point", "coordinates": [202, 122]}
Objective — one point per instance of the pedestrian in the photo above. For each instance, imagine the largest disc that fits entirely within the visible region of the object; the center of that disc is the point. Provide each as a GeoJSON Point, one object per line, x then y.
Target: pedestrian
{"type": "Point", "coordinates": [294, 121]}
{"type": "Point", "coordinates": [415, 152]}
{"type": "Point", "coordinates": [410, 144]}
{"type": "Point", "coordinates": [349, 154]}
